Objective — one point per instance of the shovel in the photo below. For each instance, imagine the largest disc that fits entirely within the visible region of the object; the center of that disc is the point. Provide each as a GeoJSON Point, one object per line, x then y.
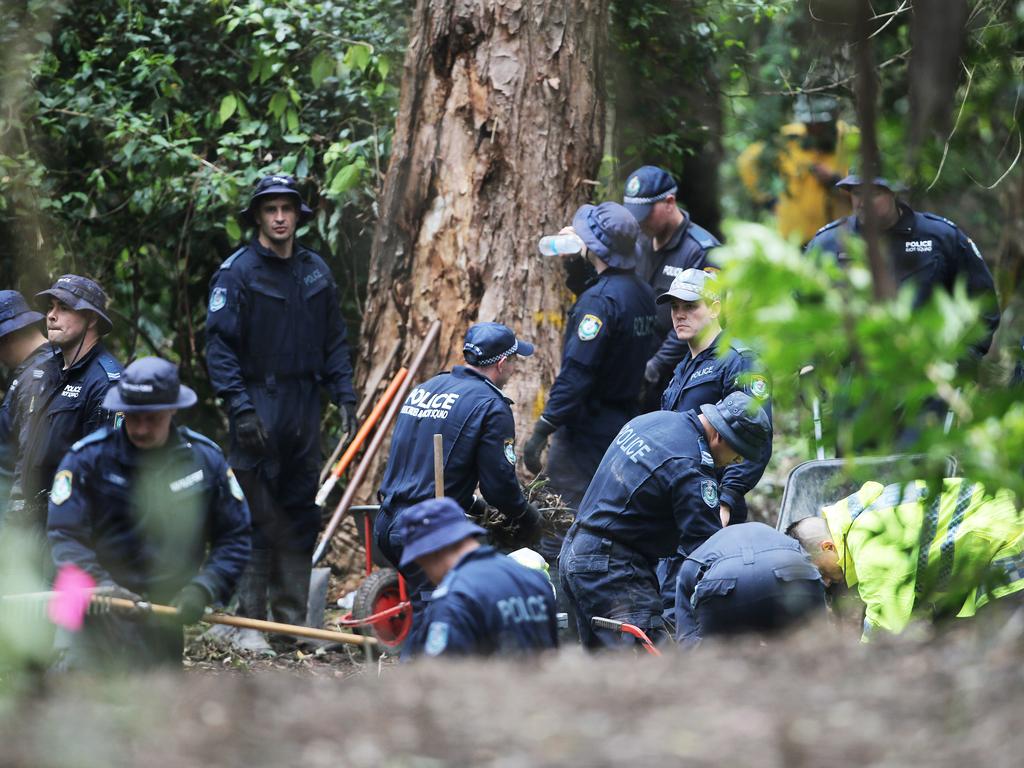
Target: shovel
{"type": "Point", "coordinates": [319, 577]}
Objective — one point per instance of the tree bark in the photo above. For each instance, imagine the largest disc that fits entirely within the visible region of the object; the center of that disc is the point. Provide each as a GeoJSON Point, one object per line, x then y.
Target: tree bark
{"type": "Point", "coordinates": [498, 138]}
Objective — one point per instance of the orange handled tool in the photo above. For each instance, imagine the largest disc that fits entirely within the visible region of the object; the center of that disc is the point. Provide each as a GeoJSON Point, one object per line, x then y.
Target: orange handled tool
{"type": "Point", "coordinates": [361, 435]}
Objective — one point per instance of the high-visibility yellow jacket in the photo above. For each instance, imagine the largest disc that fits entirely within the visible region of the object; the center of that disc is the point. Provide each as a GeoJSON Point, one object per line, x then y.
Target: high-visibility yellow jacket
{"type": "Point", "coordinates": [804, 205]}
{"type": "Point", "coordinates": [910, 557]}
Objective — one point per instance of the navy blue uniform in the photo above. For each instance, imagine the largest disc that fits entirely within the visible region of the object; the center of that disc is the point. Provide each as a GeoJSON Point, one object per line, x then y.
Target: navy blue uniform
{"type": "Point", "coordinates": [928, 251]}
{"type": "Point", "coordinates": [12, 412]}
{"type": "Point", "coordinates": [609, 332]}
{"type": "Point", "coordinates": [708, 378]}
{"type": "Point", "coordinates": [475, 420]}
{"type": "Point", "coordinates": [654, 492]}
{"type": "Point", "coordinates": [687, 248]}
{"type": "Point", "coordinates": [746, 578]}
{"type": "Point", "coordinates": [63, 407]}
{"type": "Point", "coordinates": [275, 335]}
{"type": "Point", "coordinates": [488, 605]}
{"type": "Point", "coordinates": [150, 521]}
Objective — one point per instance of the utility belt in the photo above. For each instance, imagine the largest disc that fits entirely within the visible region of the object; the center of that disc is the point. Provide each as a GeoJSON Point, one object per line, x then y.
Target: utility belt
{"type": "Point", "coordinates": [270, 381]}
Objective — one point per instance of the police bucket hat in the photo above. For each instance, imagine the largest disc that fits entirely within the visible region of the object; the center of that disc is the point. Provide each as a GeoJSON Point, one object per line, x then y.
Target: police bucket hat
{"type": "Point", "coordinates": [692, 285]}
{"type": "Point", "coordinates": [432, 525]}
{"type": "Point", "coordinates": [149, 384]}
{"type": "Point", "coordinates": [742, 422]}
{"type": "Point", "coordinates": [271, 186]}
{"type": "Point", "coordinates": [609, 231]}
{"type": "Point", "coordinates": [854, 180]}
{"type": "Point", "coordinates": [80, 293]}
{"type": "Point", "coordinates": [487, 343]}
{"type": "Point", "coordinates": [646, 186]}
{"type": "Point", "coordinates": [15, 313]}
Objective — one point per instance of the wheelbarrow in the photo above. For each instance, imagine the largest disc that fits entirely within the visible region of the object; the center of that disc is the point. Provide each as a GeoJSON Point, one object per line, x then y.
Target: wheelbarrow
{"type": "Point", "coordinates": [817, 483]}
{"type": "Point", "coordinates": [381, 607]}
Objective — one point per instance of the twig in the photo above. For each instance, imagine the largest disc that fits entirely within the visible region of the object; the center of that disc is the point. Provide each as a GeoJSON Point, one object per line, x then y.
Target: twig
{"type": "Point", "coordinates": [945, 149]}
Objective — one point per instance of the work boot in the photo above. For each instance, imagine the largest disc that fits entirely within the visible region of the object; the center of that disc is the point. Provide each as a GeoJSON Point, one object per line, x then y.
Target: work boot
{"type": "Point", "coordinates": [252, 604]}
{"type": "Point", "coordinates": [240, 639]}
{"type": "Point", "coordinates": [254, 586]}
{"type": "Point", "coordinates": [289, 591]}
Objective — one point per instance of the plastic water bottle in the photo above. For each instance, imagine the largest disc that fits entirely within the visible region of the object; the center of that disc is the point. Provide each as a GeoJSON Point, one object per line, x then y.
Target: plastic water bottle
{"type": "Point", "coordinates": [560, 245]}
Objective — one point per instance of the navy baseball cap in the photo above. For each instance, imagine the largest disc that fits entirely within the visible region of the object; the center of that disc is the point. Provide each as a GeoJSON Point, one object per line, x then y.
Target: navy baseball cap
{"type": "Point", "coordinates": [854, 180]}
{"type": "Point", "coordinates": [609, 232]}
{"type": "Point", "coordinates": [80, 293]}
{"type": "Point", "coordinates": [487, 343]}
{"type": "Point", "coordinates": [269, 186]}
{"type": "Point", "coordinates": [432, 525]}
{"type": "Point", "coordinates": [646, 186]}
{"type": "Point", "coordinates": [742, 422]}
{"type": "Point", "coordinates": [691, 285]}
{"type": "Point", "coordinates": [149, 384]}
{"type": "Point", "coordinates": [15, 313]}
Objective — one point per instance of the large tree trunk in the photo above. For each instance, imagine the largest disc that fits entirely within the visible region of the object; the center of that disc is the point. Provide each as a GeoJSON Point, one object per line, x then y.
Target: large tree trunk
{"type": "Point", "coordinates": [499, 135]}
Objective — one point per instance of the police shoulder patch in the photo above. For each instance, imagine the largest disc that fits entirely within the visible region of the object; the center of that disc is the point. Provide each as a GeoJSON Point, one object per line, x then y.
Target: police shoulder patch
{"type": "Point", "coordinates": [758, 386]}
{"type": "Point", "coordinates": [437, 638]}
{"type": "Point", "coordinates": [61, 490]}
{"type": "Point", "coordinates": [709, 492]}
{"type": "Point", "coordinates": [510, 451]}
{"type": "Point", "coordinates": [118, 419]}
{"type": "Point", "coordinates": [589, 327]}
{"type": "Point", "coordinates": [233, 486]}
{"type": "Point", "coordinates": [218, 299]}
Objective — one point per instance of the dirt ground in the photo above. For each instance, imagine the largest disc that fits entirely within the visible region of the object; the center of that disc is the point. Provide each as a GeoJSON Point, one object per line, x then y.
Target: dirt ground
{"type": "Point", "coordinates": [814, 699]}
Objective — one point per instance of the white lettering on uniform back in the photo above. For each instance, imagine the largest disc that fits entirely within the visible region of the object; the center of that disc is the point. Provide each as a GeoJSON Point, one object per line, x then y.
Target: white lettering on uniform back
{"type": "Point", "coordinates": [632, 445]}
{"type": "Point", "coordinates": [422, 404]}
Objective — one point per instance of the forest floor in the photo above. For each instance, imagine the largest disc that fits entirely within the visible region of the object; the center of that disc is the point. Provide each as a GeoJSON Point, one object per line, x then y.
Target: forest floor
{"type": "Point", "coordinates": [809, 700]}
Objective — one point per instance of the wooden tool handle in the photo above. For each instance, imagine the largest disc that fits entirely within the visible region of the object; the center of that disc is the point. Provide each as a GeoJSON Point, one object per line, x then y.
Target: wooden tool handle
{"type": "Point", "coordinates": [438, 466]}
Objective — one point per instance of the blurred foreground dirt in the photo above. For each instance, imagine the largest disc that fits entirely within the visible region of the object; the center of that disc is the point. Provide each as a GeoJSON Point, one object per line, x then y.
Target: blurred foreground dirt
{"type": "Point", "coordinates": [811, 700]}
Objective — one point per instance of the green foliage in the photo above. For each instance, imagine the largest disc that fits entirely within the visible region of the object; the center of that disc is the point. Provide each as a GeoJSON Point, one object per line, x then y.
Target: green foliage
{"type": "Point", "coordinates": [877, 367]}
{"type": "Point", "coordinates": [138, 128]}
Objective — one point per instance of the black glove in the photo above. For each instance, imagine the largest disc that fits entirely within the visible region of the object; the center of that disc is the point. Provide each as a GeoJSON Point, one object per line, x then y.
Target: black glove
{"type": "Point", "coordinates": [535, 445]}
{"type": "Point", "coordinates": [113, 589]}
{"type": "Point", "coordinates": [191, 603]}
{"type": "Point", "coordinates": [252, 435]}
{"type": "Point", "coordinates": [652, 372]}
{"type": "Point", "coordinates": [478, 509]}
{"type": "Point", "coordinates": [528, 526]}
{"type": "Point", "coordinates": [347, 415]}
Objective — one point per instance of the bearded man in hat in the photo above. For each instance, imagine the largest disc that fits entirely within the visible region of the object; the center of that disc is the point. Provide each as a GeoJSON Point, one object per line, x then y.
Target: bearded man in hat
{"type": "Point", "coordinates": [152, 512]}
{"type": "Point", "coordinates": [926, 251]}
{"type": "Point", "coordinates": [275, 336]}
{"type": "Point", "coordinates": [65, 396]}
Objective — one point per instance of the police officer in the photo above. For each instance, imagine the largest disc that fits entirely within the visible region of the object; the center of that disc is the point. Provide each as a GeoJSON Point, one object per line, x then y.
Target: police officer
{"type": "Point", "coordinates": [706, 374]}
{"type": "Point", "coordinates": [913, 555]}
{"type": "Point", "coordinates": [151, 511]}
{"type": "Point", "coordinates": [670, 243]}
{"type": "Point", "coordinates": [925, 250]}
{"type": "Point", "coordinates": [655, 492]}
{"type": "Point", "coordinates": [468, 409]}
{"type": "Point", "coordinates": [22, 350]}
{"type": "Point", "coordinates": [608, 333]}
{"type": "Point", "coordinates": [485, 603]}
{"type": "Point", "coordinates": [65, 395]}
{"type": "Point", "coordinates": [746, 578]}
{"type": "Point", "coordinates": [275, 335]}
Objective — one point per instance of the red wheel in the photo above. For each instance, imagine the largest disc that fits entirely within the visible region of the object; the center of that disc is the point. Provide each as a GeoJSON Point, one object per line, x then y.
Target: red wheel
{"type": "Point", "coordinates": [378, 593]}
